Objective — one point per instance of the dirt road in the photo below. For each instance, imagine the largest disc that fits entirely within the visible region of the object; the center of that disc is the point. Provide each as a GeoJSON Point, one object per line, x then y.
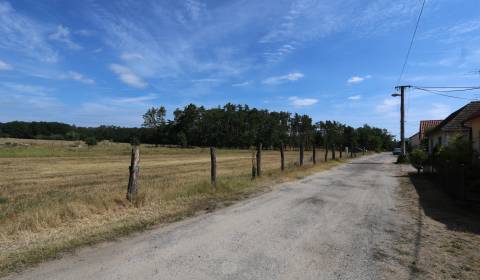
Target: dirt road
{"type": "Point", "coordinates": [326, 226]}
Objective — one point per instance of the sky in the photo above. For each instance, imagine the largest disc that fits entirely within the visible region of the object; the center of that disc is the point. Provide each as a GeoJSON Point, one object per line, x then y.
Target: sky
{"type": "Point", "coordinates": [91, 62]}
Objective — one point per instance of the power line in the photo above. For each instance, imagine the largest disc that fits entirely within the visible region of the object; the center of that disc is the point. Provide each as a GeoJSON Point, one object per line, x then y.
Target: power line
{"type": "Point", "coordinates": [445, 95]}
{"type": "Point", "coordinates": [411, 43]}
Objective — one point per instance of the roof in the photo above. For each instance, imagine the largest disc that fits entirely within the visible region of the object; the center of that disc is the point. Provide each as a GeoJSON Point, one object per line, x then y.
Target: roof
{"type": "Point", "coordinates": [414, 136]}
{"type": "Point", "coordinates": [424, 125]}
{"type": "Point", "coordinates": [454, 122]}
{"type": "Point", "coordinates": [471, 117]}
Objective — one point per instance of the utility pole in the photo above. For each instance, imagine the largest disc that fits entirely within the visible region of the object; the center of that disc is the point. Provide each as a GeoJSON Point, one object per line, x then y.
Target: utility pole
{"type": "Point", "coordinates": [402, 117]}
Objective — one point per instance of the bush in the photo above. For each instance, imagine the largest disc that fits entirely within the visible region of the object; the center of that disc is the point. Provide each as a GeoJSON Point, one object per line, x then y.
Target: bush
{"type": "Point", "coordinates": [134, 141]}
{"type": "Point", "coordinates": [401, 159]}
{"type": "Point", "coordinates": [418, 158]}
{"type": "Point", "coordinates": [91, 141]}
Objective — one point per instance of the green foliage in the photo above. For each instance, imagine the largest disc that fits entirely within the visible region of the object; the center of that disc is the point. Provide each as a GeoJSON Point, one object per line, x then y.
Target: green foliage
{"type": "Point", "coordinates": [459, 151]}
{"type": "Point", "coordinates": [91, 141]}
{"type": "Point", "coordinates": [134, 141]}
{"type": "Point", "coordinates": [402, 159]}
{"type": "Point", "coordinates": [234, 126]}
{"type": "Point", "coordinates": [418, 158]}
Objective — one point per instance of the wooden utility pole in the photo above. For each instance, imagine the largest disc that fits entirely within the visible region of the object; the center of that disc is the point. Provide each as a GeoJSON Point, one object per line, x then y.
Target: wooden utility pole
{"type": "Point", "coordinates": [259, 160]}
{"type": "Point", "coordinates": [134, 169]}
{"type": "Point", "coordinates": [213, 170]}
{"type": "Point", "coordinates": [402, 117]}
{"type": "Point", "coordinates": [282, 157]}
{"type": "Point", "coordinates": [301, 153]}
{"type": "Point", "coordinates": [314, 154]}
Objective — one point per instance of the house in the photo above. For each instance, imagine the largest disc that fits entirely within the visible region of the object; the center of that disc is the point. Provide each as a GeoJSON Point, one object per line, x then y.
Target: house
{"type": "Point", "coordinates": [452, 126]}
{"type": "Point", "coordinates": [426, 125]}
{"type": "Point", "coordinates": [473, 122]}
{"type": "Point", "coordinates": [414, 140]}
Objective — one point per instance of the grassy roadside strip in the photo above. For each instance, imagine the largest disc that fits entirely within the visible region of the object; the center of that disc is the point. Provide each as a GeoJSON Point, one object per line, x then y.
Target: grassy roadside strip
{"type": "Point", "coordinates": [196, 199]}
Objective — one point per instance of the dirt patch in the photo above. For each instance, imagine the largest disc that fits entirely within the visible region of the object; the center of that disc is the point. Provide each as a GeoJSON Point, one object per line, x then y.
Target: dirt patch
{"type": "Point", "coordinates": [439, 238]}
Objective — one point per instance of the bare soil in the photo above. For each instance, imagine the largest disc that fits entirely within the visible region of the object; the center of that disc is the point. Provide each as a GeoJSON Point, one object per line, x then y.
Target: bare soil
{"type": "Point", "coordinates": [438, 238]}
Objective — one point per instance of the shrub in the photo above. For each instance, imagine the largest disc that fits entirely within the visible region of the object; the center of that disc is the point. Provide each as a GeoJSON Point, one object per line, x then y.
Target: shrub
{"type": "Point", "coordinates": [418, 158]}
{"type": "Point", "coordinates": [134, 141]}
{"type": "Point", "coordinates": [401, 159]}
{"type": "Point", "coordinates": [91, 141]}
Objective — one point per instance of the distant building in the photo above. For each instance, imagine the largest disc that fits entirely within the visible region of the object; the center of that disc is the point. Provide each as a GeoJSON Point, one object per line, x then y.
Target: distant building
{"type": "Point", "coordinates": [414, 140]}
{"type": "Point", "coordinates": [453, 126]}
{"type": "Point", "coordinates": [425, 126]}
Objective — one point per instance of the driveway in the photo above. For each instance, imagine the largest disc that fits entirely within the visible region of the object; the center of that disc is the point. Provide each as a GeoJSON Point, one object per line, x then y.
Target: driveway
{"type": "Point", "coordinates": [326, 226]}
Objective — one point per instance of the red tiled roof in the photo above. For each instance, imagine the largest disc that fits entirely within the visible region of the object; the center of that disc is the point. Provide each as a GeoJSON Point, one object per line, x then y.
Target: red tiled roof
{"type": "Point", "coordinates": [427, 124]}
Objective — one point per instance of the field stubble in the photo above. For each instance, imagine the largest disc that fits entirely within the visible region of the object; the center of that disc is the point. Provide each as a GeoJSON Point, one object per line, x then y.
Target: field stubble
{"type": "Point", "coordinates": [57, 195]}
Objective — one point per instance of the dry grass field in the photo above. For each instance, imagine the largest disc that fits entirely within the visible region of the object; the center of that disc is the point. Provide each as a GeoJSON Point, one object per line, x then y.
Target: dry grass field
{"type": "Point", "coordinates": [58, 195]}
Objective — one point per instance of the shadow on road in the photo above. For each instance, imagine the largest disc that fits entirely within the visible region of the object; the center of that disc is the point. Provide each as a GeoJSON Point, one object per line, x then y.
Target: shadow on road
{"type": "Point", "coordinates": [439, 206]}
{"type": "Point", "coordinates": [366, 162]}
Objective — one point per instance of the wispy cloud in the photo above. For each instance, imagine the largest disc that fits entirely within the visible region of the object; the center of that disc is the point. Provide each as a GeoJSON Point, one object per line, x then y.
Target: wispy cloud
{"type": "Point", "coordinates": [75, 76]}
{"type": "Point", "coordinates": [354, 97]}
{"type": "Point", "coordinates": [388, 105]}
{"type": "Point", "coordinates": [243, 84]}
{"type": "Point", "coordinates": [5, 66]}
{"type": "Point", "coordinates": [206, 80]}
{"type": "Point", "coordinates": [62, 35]}
{"type": "Point", "coordinates": [127, 76]}
{"type": "Point", "coordinates": [294, 76]}
{"type": "Point", "coordinates": [439, 111]}
{"type": "Point", "coordinates": [302, 102]}
{"type": "Point", "coordinates": [358, 79]}
{"type": "Point", "coordinates": [20, 33]}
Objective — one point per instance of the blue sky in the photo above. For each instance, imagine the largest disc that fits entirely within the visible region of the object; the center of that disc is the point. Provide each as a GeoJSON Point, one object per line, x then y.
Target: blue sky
{"type": "Point", "coordinates": [106, 62]}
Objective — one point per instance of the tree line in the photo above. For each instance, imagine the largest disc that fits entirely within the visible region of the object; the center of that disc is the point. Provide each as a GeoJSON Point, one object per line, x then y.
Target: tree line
{"type": "Point", "coordinates": [232, 126]}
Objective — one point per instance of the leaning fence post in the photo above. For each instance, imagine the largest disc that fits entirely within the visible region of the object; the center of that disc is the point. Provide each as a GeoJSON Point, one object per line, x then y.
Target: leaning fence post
{"type": "Point", "coordinates": [282, 157]}
{"type": "Point", "coordinates": [213, 170]}
{"type": "Point", "coordinates": [134, 168]}
{"type": "Point", "coordinates": [314, 154]}
{"type": "Point", "coordinates": [301, 154]}
{"type": "Point", "coordinates": [259, 160]}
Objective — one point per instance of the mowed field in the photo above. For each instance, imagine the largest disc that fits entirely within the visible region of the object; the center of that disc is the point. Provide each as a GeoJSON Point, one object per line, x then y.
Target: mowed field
{"type": "Point", "coordinates": [58, 195]}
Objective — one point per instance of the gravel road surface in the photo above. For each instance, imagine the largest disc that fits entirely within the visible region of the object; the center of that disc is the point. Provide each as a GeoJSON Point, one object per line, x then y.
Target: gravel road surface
{"type": "Point", "coordinates": [326, 226]}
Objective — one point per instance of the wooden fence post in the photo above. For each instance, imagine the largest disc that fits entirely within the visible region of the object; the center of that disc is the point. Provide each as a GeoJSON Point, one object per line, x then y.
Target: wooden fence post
{"type": "Point", "coordinates": [254, 168]}
{"type": "Point", "coordinates": [333, 151]}
{"type": "Point", "coordinates": [314, 155]}
{"type": "Point", "coordinates": [134, 168]}
{"type": "Point", "coordinates": [326, 152]}
{"type": "Point", "coordinates": [259, 160]}
{"type": "Point", "coordinates": [213, 170]}
{"type": "Point", "coordinates": [282, 157]}
{"type": "Point", "coordinates": [301, 154]}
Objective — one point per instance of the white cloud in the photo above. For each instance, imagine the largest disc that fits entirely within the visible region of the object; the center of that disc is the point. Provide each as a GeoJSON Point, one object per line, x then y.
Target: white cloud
{"type": "Point", "coordinates": [206, 80]}
{"type": "Point", "coordinates": [388, 105]}
{"type": "Point", "coordinates": [355, 97]}
{"type": "Point", "coordinates": [20, 33]}
{"type": "Point", "coordinates": [63, 35]}
{"type": "Point", "coordinates": [358, 79]}
{"type": "Point", "coordinates": [302, 102]}
{"type": "Point", "coordinates": [127, 76]}
{"type": "Point", "coordinates": [131, 56]}
{"type": "Point", "coordinates": [294, 76]}
{"type": "Point", "coordinates": [5, 66]}
{"type": "Point", "coordinates": [439, 111]}
{"type": "Point", "coordinates": [243, 84]}
{"type": "Point", "coordinates": [72, 75]}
